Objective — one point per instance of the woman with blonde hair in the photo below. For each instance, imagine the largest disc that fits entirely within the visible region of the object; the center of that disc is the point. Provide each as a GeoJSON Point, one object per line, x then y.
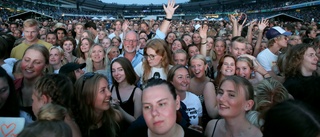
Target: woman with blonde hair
{"type": "Point", "coordinates": [112, 52]}
{"type": "Point", "coordinates": [106, 42]}
{"type": "Point", "coordinates": [116, 41]}
{"type": "Point", "coordinates": [97, 59]}
{"type": "Point", "coordinates": [56, 59]}
{"type": "Point", "coordinates": [247, 66]}
{"type": "Point", "coordinates": [102, 34]}
{"type": "Point", "coordinates": [50, 123]}
{"type": "Point", "coordinates": [219, 48]}
{"type": "Point", "coordinates": [203, 87]}
{"type": "Point", "coordinates": [157, 61]}
{"type": "Point", "coordinates": [34, 63]}
{"type": "Point", "coordinates": [235, 97]}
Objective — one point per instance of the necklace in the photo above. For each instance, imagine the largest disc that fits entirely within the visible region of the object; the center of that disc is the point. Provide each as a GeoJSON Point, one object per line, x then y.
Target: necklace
{"type": "Point", "coordinates": [242, 133]}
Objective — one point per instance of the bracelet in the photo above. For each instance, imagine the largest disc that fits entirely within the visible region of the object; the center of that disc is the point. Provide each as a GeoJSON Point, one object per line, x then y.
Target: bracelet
{"type": "Point", "coordinates": [204, 43]}
{"type": "Point", "coordinates": [265, 75]}
{"type": "Point", "coordinates": [165, 18]}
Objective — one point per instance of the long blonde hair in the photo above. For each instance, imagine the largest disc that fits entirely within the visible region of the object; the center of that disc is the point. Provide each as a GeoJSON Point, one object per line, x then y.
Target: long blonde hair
{"type": "Point", "coordinates": [86, 88]}
{"type": "Point", "coordinates": [89, 62]}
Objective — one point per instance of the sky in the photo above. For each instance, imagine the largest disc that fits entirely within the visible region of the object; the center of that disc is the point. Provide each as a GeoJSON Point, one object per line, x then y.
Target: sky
{"type": "Point", "coordinates": [142, 1]}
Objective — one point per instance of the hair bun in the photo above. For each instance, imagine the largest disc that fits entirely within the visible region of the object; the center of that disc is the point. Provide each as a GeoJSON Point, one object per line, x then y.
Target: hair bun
{"type": "Point", "coordinates": [52, 112]}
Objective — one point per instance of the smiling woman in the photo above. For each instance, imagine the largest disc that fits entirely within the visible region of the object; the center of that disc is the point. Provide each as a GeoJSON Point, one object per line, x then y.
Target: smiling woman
{"type": "Point", "coordinates": [33, 65]}
{"type": "Point", "coordinates": [95, 116]}
{"type": "Point", "coordinates": [301, 67]}
{"type": "Point", "coordinates": [97, 59]}
{"type": "Point", "coordinates": [234, 100]}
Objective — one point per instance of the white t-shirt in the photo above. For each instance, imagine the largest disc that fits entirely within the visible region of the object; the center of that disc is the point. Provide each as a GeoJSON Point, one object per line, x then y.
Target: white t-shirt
{"type": "Point", "coordinates": [267, 59]}
{"type": "Point", "coordinates": [8, 66]}
{"type": "Point", "coordinates": [139, 70]}
{"type": "Point", "coordinates": [194, 107]}
{"type": "Point", "coordinates": [56, 71]}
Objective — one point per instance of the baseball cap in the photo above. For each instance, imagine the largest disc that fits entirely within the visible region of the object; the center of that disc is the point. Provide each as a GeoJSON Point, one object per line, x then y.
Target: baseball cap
{"type": "Point", "coordinates": [276, 31]}
{"type": "Point", "coordinates": [69, 67]}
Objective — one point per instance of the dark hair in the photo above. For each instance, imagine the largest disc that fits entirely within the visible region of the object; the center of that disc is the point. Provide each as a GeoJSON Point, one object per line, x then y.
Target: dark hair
{"type": "Point", "coordinates": [6, 42]}
{"type": "Point", "coordinates": [291, 118]}
{"type": "Point", "coordinates": [173, 70]}
{"type": "Point", "coordinates": [219, 75]}
{"type": "Point", "coordinates": [142, 31]}
{"type": "Point", "coordinates": [168, 36]}
{"type": "Point", "coordinates": [183, 44]}
{"type": "Point", "coordinates": [11, 106]}
{"type": "Point", "coordinates": [131, 75]}
{"type": "Point", "coordinates": [189, 46]}
{"type": "Point", "coordinates": [57, 29]}
{"type": "Point", "coordinates": [145, 24]}
{"type": "Point", "coordinates": [52, 33]}
{"type": "Point", "coordinates": [156, 82]}
{"type": "Point", "coordinates": [184, 35]}
{"type": "Point", "coordinates": [73, 41]}
{"type": "Point", "coordinates": [90, 25]}
{"type": "Point", "coordinates": [294, 60]}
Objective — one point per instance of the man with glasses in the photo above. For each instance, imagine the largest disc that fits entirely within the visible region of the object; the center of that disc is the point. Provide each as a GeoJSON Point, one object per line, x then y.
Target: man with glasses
{"type": "Point", "coordinates": [268, 57]}
{"type": "Point", "coordinates": [131, 38]}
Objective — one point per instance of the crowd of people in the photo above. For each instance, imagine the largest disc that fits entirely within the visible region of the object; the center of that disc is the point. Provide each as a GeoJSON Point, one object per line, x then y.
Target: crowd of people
{"type": "Point", "coordinates": [161, 77]}
{"type": "Point", "coordinates": [54, 9]}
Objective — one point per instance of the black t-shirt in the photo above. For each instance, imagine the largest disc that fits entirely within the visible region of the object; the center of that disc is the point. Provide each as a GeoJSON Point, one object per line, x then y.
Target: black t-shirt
{"type": "Point", "coordinates": [151, 35]}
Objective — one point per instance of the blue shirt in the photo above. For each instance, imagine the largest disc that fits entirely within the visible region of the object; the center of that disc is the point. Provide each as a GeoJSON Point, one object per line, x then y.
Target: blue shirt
{"type": "Point", "coordinates": [136, 59]}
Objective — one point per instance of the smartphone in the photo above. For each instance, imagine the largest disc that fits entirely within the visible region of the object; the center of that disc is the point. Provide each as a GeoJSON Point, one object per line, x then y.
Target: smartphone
{"type": "Point", "coordinates": [242, 17]}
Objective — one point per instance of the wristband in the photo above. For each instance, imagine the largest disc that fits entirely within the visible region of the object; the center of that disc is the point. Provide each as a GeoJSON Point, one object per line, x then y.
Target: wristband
{"type": "Point", "coordinates": [204, 43]}
{"type": "Point", "coordinates": [265, 75]}
{"type": "Point", "coordinates": [165, 18]}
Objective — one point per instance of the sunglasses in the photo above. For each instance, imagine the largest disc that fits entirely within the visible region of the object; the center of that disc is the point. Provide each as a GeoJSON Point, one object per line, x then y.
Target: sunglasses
{"type": "Point", "coordinates": [86, 76]}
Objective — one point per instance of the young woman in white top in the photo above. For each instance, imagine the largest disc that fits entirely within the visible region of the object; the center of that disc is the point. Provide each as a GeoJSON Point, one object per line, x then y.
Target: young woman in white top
{"type": "Point", "coordinates": [157, 59]}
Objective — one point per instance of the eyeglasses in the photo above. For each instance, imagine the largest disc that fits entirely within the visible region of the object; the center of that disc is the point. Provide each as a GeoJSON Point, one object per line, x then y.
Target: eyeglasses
{"type": "Point", "coordinates": [128, 41]}
{"type": "Point", "coordinates": [86, 76]}
{"type": "Point", "coordinates": [150, 56]}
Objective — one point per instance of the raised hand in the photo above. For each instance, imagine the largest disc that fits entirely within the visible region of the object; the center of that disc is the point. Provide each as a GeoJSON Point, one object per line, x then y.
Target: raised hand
{"type": "Point", "coordinates": [125, 25]}
{"type": "Point", "coordinates": [170, 8]}
{"type": "Point", "coordinates": [203, 31]}
{"type": "Point", "coordinates": [232, 18]}
{"type": "Point", "coordinates": [263, 24]}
